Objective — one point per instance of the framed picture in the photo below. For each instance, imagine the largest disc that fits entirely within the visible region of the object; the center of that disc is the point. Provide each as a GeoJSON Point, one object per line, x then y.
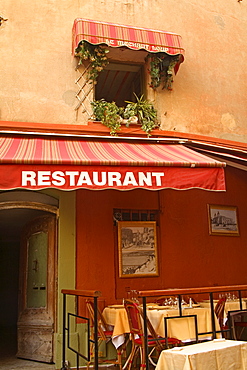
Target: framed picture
{"type": "Point", "coordinates": [223, 220]}
{"type": "Point", "coordinates": [137, 249]}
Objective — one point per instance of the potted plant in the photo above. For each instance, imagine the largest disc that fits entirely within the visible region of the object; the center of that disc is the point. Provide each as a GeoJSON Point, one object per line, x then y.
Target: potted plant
{"type": "Point", "coordinates": [108, 114]}
{"type": "Point", "coordinates": [145, 113]}
{"type": "Point", "coordinates": [142, 111]}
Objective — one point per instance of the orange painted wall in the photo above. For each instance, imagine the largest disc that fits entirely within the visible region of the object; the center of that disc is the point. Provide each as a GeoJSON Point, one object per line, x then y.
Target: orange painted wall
{"type": "Point", "coordinates": [188, 255]}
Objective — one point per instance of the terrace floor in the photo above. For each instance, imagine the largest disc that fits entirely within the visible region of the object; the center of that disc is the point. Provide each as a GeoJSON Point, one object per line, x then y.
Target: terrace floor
{"type": "Point", "coordinates": [8, 360]}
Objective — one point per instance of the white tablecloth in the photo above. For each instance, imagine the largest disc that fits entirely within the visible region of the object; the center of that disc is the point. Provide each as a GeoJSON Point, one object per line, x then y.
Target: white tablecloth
{"type": "Point", "coordinates": [230, 305]}
{"type": "Point", "coordinates": [117, 318]}
{"type": "Point", "coordinates": [213, 355]}
{"type": "Point", "coordinates": [182, 329]}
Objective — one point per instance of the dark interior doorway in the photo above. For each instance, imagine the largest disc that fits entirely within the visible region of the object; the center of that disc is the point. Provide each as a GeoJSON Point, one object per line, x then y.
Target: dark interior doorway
{"type": "Point", "coordinates": [12, 222]}
{"type": "Point", "coordinates": [17, 209]}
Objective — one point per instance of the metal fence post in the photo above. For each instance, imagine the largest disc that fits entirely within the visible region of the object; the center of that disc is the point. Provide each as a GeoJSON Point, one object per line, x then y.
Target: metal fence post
{"type": "Point", "coordinates": [96, 344]}
{"type": "Point", "coordinates": [212, 314]}
{"type": "Point", "coordinates": [64, 335]}
{"type": "Point", "coordinates": [144, 301]}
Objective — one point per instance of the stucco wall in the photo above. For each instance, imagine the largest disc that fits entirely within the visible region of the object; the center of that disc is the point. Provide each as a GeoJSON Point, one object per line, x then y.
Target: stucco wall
{"type": "Point", "coordinates": [38, 71]}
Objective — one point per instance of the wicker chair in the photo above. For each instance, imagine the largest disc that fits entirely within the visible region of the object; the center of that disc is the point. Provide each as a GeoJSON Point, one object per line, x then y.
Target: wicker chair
{"type": "Point", "coordinates": [104, 335]}
{"type": "Point", "coordinates": [219, 312]}
{"type": "Point", "coordinates": [135, 318]}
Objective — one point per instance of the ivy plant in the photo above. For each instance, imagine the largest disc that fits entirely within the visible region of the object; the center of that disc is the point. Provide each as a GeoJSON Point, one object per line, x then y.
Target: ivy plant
{"type": "Point", "coordinates": [96, 55]}
{"type": "Point", "coordinates": [161, 64]}
{"type": "Point", "coordinates": [108, 114]}
{"type": "Point", "coordinates": [161, 69]}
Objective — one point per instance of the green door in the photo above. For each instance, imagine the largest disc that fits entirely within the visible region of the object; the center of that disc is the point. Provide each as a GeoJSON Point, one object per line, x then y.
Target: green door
{"type": "Point", "coordinates": [37, 290]}
{"type": "Point", "coordinates": [37, 270]}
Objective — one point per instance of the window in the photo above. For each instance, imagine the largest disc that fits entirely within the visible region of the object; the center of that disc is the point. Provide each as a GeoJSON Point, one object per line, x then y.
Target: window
{"type": "Point", "coordinates": [132, 53]}
{"type": "Point", "coordinates": [135, 215]}
{"type": "Point", "coordinates": [118, 82]}
{"type": "Point", "coordinates": [113, 74]}
{"type": "Point", "coordinates": [123, 76]}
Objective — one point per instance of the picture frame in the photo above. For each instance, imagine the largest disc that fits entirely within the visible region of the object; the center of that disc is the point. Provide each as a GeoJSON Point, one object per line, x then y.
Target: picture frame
{"type": "Point", "coordinates": [223, 220]}
{"type": "Point", "coordinates": [137, 249]}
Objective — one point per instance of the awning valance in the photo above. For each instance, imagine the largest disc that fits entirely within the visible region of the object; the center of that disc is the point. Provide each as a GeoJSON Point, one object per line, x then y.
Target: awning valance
{"type": "Point", "coordinates": [42, 162]}
{"type": "Point", "coordinates": [116, 35]}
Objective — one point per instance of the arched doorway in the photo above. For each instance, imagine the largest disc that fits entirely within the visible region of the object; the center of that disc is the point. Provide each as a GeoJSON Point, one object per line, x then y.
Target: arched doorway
{"type": "Point", "coordinates": [25, 215]}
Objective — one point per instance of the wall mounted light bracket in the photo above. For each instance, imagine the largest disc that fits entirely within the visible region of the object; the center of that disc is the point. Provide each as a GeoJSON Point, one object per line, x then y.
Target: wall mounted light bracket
{"type": "Point", "coordinates": [2, 20]}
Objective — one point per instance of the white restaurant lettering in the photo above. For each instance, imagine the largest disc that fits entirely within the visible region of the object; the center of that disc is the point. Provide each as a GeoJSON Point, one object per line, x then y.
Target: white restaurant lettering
{"type": "Point", "coordinates": [80, 178]}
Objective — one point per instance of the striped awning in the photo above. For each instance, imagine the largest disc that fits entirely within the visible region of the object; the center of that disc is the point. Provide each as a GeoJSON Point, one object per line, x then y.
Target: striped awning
{"type": "Point", "coordinates": [39, 162]}
{"type": "Point", "coordinates": [135, 38]}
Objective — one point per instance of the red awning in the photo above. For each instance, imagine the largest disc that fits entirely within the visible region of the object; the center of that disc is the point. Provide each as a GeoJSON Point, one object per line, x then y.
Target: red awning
{"type": "Point", "coordinates": [117, 35]}
{"type": "Point", "coordinates": [43, 162]}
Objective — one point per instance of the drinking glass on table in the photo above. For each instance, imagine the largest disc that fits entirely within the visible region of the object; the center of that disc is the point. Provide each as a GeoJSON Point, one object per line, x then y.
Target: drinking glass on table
{"type": "Point", "coordinates": [229, 297]}
{"type": "Point", "coordinates": [183, 301]}
{"type": "Point", "coordinates": [166, 302]}
{"type": "Point", "coordinates": [170, 301]}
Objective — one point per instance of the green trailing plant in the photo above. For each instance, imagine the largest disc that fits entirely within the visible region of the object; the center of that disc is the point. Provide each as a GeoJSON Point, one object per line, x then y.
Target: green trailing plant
{"type": "Point", "coordinates": [96, 55]}
{"type": "Point", "coordinates": [161, 69]}
{"type": "Point", "coordinates": [108, 114]}
{"type": "Point", "coordinates": [161, 64]}
{"type": "Point", "coordinates": [144, 111]}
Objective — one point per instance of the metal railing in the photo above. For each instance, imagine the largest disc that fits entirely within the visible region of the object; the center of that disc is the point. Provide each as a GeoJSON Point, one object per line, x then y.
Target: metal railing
{"type": "Point", "coordinates": [179, 293]}
{"type": "Point", "coordinates": [66, 326]}
{"type": "Point", "coordinates": [144, 295]}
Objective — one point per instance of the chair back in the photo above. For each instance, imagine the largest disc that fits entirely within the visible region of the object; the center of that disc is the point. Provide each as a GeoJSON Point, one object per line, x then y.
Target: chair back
{"type": "Point", "coordinates": [134, 317]}
{"type": "Point", "coordinates": [152, 332]}
{"type": "Point", "coordinates": [219, 310]}
{"type": "Point", "coordinates": [102, 325]}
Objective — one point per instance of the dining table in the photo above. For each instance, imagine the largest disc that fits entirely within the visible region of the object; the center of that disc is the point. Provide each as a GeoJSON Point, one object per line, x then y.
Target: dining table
{"type": "Point", "coordinates": [230, 305]}
{"type": "Point", "coordinates": [218, 354]}
{"type": "Point", "coordinates": [116, 316]}
{"type": "Point", "coordinates": [182, 328]}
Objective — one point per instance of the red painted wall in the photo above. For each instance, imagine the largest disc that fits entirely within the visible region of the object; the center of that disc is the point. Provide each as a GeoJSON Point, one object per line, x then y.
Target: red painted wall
{"type": "Point", "coordinates": [188, 255]}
